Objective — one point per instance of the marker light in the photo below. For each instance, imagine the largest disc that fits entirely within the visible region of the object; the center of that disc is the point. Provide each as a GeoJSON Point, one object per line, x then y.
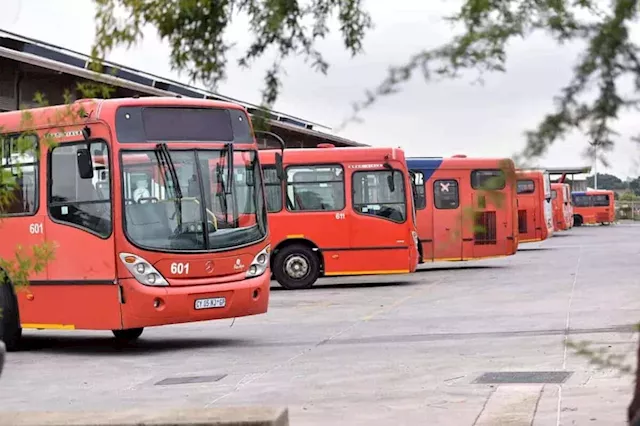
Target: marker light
{"type": "Point", "coordinates": [259, 264]}
{"type": "Point", "coordinates": [142, 270]}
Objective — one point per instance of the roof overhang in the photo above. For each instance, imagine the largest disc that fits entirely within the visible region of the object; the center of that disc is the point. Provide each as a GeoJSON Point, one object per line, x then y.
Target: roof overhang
{"type": "Point", "coordinates": [568, 170]}
{"type": "Point", "coordinates": [65, 61]}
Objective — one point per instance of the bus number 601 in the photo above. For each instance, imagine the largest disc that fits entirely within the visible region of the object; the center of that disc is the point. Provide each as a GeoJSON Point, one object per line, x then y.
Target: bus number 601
{"type": "Point", "coordinates": [179, 268]}
{"type": "Point", "coordinates": [36, 228]}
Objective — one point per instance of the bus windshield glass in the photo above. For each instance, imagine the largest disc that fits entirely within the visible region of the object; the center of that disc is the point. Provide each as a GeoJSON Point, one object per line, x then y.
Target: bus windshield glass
{"type": "Point", "coordinates": [202, 210]}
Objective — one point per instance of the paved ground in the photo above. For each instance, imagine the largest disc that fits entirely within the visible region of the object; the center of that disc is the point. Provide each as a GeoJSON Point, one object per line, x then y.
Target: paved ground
{"type": "Point", "coordinates": [380, 351]}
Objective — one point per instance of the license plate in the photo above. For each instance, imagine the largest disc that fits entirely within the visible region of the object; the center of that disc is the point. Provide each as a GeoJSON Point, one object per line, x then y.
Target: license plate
{"type": "Point", "coordinates": [213, 302]}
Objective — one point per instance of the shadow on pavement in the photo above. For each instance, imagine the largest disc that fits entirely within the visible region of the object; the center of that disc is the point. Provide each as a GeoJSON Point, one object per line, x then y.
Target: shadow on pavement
{"type": "Point", "coordinates": [98, 345]}
{"type": "Point", "coordinates": [357, 285]}
{"type": "Point", "coordinates": [460, 268]}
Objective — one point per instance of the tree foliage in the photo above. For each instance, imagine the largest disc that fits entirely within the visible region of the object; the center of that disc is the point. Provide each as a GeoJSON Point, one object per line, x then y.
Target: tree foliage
{"type": "Point", "coordinates": [591, 101]}
{"type": "Point", "coordinates": [195, 31]}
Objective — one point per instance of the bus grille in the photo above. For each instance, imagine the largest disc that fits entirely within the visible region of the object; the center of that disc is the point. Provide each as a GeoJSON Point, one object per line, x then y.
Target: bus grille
{"type": "Point", "coordinates": [522, 221]}
{"type": "Point", "coordinates": [486, 228]}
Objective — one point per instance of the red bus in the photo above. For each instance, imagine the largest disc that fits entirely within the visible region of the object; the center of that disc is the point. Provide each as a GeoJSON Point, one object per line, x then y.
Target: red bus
{"type": "Point", "coordinates": [450, 192]}
{"type": "Point", "coordinates": [339, 211]}
{"type": "Point", "coordinates": [562, 208]}
{"type": "Point", "coordinates": [142, 240]}
{"type": "Point", "coordinates": [593, 206]}
{"type": "Point", "coordinates": [535, 216]}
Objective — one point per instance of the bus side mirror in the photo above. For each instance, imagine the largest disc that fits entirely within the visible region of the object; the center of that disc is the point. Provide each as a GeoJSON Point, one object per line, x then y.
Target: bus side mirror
{"type": "Point", "coordinates": [85, 165]}
{"type": "Point", "coordinates": [279, 166]}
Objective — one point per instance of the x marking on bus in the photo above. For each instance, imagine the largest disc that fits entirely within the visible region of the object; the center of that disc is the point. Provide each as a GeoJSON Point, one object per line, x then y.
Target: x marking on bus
{"type": "Point", "coordinates": [444, 187]}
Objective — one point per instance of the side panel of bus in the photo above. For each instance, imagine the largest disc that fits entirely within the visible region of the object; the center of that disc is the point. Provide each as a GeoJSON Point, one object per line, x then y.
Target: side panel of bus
{"type": "Point", "coordinates": [80, 290]}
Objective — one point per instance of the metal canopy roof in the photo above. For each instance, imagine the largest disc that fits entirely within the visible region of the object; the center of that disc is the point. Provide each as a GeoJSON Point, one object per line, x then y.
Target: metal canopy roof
{"type": "Point", "coordinates": [568, 170]}
{"type": "Point", "coordinates": [23, 49]}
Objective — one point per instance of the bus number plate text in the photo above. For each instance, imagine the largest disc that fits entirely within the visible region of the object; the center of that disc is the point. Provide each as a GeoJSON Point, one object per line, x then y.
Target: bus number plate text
{"type": "Point", "coordinates": [213, 302]}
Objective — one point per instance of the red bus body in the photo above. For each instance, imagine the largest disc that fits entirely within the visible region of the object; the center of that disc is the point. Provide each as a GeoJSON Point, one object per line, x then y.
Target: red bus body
{"type": "Point", "coordinates": [562, 208]}
{"type": "Point", "coordinates": [594, 206]}
{"type": "Point", "coordinates": [122, 264]}
{"type": "Point", "coordinates": [449, 191]}
{"type": "Point", "coordinates": [339, 211]}
{"type": "Point", "coordinates": [535, 215]}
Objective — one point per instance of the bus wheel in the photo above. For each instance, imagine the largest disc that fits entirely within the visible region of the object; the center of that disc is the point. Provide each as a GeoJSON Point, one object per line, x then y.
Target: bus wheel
{"type": "Point", "coordinates": [10, 330]}
{"type": "Point", "coordinates": [127, 335]}
{"type": "Point", "coordinates": [296, 267]}
{"type": "Point", "coordinates": [577, 220]}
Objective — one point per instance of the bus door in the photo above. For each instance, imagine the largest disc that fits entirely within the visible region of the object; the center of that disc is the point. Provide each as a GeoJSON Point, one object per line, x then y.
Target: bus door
{"type": "Point", "coordinates": [81, 290]}
{"type": "Point", "coordinates": [380, 230]}
{"type": "Point", "coordinates": [448, 216]}
{"type": "Point", "coordinates": [24, 221]}
{"type": "Point", "coordinates": [316, 202]}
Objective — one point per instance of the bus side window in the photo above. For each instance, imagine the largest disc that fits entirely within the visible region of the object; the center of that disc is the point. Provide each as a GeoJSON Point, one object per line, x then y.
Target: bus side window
{"type": "Point", "coordinates": [315, 188]}
{"type": "Point", "coordinates": [273, 189]}
{"type": "Point", "coordinates": [19, 175]}
{"type": "Point", "coordinates": [488, 179]}
{"type": "Point", "coordinates": [445, 194]}
{"type": "Point", "coordinates": [76, 201]}
{"type": "Point", "coordinates": [421, 194]}
{"type": "Point", "coordinates": [601, 200]}
{"type": "Point", "coordinates": [526, 186]}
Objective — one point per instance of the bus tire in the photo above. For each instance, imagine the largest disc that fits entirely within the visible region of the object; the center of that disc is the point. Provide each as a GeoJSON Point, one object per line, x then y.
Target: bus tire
{"type": "Point", "coordinates": [577, 220]}
{"type": "Point", "coordinates": [296, 267]}
{"type": "Point", "coordinates": [10, 329]}
{"type": "Point", "coordinates": [127, 335]}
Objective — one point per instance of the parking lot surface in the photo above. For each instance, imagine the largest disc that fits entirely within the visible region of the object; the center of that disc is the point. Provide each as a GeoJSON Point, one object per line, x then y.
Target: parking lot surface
{"type": "Point", "coordinates": [400, 350]}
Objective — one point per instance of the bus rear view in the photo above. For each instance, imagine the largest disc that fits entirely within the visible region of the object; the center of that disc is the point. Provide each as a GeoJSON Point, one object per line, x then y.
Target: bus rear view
{"type": "Point", "coordinates": [339, 211]}
{"type": "Point", "coordinates": [465, 207]}
{"type": "Point", "coordinates": [535, 214]}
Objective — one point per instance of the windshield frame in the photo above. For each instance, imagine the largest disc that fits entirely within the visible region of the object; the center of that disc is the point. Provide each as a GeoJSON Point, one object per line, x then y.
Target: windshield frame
{"type": "Point", "coordinates": [196, 150]}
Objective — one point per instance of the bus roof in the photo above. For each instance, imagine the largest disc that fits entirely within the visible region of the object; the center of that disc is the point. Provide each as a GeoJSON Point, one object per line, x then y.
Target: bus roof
{"type": "Point", "coordinates": [520, 173]}
{"type": "Point", "coordinates": [332, 154]}
{"type": "Point", "coordinates": [60, 115]}
{"type": "Point", "coordinates": [593, 192]}
{"type": "Point", "coordinates": [457, 162]}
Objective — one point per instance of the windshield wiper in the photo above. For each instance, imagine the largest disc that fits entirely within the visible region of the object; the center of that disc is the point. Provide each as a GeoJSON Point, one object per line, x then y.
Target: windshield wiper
{"type": "Point", "coordinates": [223, 195]}
{"type": "Point", "coordinates": [164, 156]}
{"type": "Point", "coordinates": [228, 188]}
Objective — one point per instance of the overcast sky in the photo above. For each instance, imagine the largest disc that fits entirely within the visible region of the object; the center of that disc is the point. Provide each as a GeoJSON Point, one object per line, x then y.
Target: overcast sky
{"type": "Point", "coordinates": [425, 119]}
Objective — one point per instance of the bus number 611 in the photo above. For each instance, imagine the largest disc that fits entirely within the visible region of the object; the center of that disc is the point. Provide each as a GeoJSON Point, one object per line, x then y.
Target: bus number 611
{"type": "Point", "coordinates": [179, 268]}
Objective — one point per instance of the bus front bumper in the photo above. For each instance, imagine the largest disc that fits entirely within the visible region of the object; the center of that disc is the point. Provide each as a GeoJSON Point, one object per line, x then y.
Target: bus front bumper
{"type": "Point", "coordinates": [146, 306]}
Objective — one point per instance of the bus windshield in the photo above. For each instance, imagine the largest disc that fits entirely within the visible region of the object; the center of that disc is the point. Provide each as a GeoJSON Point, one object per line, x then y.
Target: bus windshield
{"type": "Point", "coordinates": [195, 207]}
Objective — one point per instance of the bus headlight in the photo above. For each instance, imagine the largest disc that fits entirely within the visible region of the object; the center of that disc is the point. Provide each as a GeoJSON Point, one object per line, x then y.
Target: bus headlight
{"type": "Point", "coordinates": [142, 270]}
{"type": "Point", "coordinates": [260, 263]}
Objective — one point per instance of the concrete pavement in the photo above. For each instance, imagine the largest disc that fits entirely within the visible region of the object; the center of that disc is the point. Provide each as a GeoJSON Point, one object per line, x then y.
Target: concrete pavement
{"type": "Point", "coordinates": [400, 350]}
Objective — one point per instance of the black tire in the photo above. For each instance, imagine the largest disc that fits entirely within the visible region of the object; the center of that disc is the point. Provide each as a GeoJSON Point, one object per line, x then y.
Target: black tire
{"type": "Point", "coordinates": [10, 330]}
{"type": "Point", "coordinates": [286, 262]}
{"type": "Point", "coordinates": [577, 220]}
{"type": "Point", "coordinates": [128, 335]}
